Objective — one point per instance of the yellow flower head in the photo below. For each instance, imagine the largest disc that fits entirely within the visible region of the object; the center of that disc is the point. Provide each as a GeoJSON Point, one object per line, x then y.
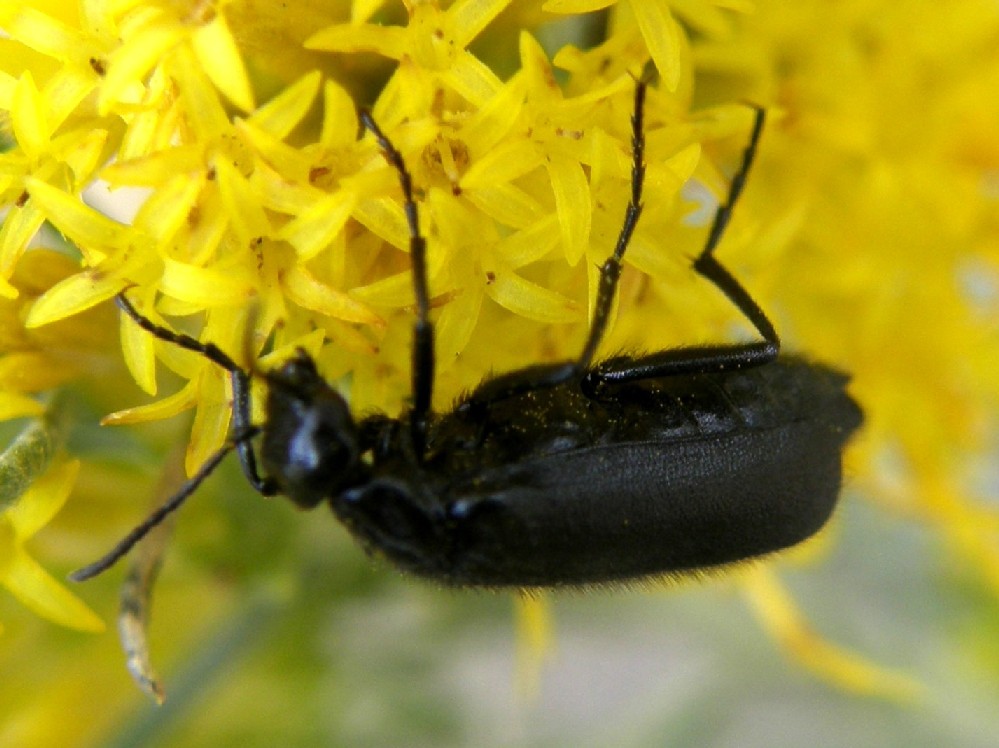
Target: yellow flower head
{"type": "Point", "coordinates": [205, 157]}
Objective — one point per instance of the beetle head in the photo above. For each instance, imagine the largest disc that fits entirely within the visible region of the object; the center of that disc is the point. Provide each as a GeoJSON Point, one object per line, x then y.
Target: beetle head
{"type": "Point", "coordinates": [310, 445]}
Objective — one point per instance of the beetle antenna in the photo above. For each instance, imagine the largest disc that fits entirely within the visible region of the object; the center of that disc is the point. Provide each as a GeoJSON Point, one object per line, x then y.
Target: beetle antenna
{"type": "Point", "coordinates": [157, 516]}
{"type": "Point", "coordinates": [238, 377]}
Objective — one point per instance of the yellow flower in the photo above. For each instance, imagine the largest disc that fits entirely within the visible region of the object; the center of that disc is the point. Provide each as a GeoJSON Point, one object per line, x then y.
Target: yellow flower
{"type": "Point", "coordinates": [21, 516]}
{"type": "Point", "coordinates": [883, 170]}
{"type": "Point", "coordinates": [270, 204]}
{"type": "Point", "coordinates": [263, 221]}
{"type": "Point", "coordinates": [32, 489]}
{"type": "Point", "coordinates": [432, 48]}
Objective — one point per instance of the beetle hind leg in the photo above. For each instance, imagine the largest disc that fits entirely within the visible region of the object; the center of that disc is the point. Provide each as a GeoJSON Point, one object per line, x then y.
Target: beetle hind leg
{"type": "Point", "coordinates": [708, 266]}
{"type": "Point", "coordinates": [708, 358]}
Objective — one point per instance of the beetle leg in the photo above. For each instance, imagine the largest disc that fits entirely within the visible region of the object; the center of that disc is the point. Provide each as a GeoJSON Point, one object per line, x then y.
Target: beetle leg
{"type": "Point", "coordinates": [676, 362]}
{"type": "Point", "coordinates": [423, 331]}
{"type": "Point", "coordinates": [544, 376]}
{"type": "Point", "coordinates": [239, 378]}
{"type": "Point", "coordinates": [610, 271]}
{"type": "Point", "coordinates": [711, 358]}
{"type": "Point", "coordinates": [710, 268]}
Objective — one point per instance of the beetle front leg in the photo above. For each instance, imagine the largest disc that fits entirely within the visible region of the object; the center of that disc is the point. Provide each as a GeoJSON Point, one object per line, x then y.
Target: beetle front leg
{"type": "Point", "coordinates": [423, 331]}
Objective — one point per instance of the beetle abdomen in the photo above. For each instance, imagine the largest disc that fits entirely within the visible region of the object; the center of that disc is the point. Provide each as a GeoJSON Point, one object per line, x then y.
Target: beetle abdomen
{"type": "Point", "coordinates": [631, 510]}
{"type": "Point", "coordinates": [726, 483]}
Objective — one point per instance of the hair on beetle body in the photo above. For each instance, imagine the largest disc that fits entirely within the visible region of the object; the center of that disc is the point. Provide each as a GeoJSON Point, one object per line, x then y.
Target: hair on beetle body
{"type": "Point", "coordinates": [558, 474]}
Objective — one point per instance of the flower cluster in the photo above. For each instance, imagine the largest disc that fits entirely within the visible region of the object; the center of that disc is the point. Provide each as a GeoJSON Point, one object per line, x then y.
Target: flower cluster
{"type": "Point", "coordinates": [279, 226]}
{"type": "Point", "coordinates": [881, 182]}
{"type": "Point", "coordinates": [206, 156]}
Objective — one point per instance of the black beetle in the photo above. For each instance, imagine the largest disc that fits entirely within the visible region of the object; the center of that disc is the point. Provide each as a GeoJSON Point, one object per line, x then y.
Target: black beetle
{"type": "Point", "coordinates": [557, 474]}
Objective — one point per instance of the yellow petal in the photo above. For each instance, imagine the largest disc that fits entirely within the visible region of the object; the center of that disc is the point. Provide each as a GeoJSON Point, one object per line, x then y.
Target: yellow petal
{"type": "Point", "coordinates": [246, 216]}
{"type": "Point", "coordinates": [278, 193]}
{"type": "Point", "coordinates": [508, 161]}
{"type": "Point", "coordinates": [530, 300]}
{"type": "Point", "coordinates": [16, 405]}
{"type": "Point", "coordinates": [384, 218]}
{"type": "Point", "coordinates": [575, 6]}
{"type": "Point", "coordinates": [507, 204]}
{"type": "Point", "coordinates": [472, 79]}
{"type": "Point", "coordinates": [29, 118]}
{"type": "Point", "coordinates": [663, 36]}
{"type": "Point", "coordinates": [84, 226]}
{"type": "Point", "coordinates": [131, 62]}
{"type": "Point", "coordinates": [339, 117]}
{"type": "Point", "coordinates": [467, 18]}
{"type": "Point", "coordinates": [152, 130]}
{"type": "Point", "coordinates": [206, 287]}
{"type": "Point", "coordinates": [319, 223]}
{"type": "Point", "coordinates": [203, 109]}
{"type": "Point", "coordinates": [493, 120]}
{"type": "Point", "coordinates": [211, 420]}
{"type": "Point", "coordinates": [457, 321]}
{"type": "Point", "coordinates": [37, 590]}
{"type": "Point", "coordinates": [395, 290]}
{"type": "Point", "coordinates": [140, 354]}
{"type": "Point", "coordinates": [307, 292]}
{"type": "Point", "coordinates": [647, 253]}
{"type": "Point", "coordinates": [46, 34]}
{"type": "Point", "coordinates": [42, 500]}
{"type": "Point", "coordinates": [64, 92]}
{"type": "Point", "coordinates": [534, 637]}
{"type": "Point", "coordinates": [390, 41]}
{"type": "Point", "coordinates": [284, 112]}
{"type": "Point", "coordinates": [170, 207]}
{"type": "Point", "coordinates": [219, 55]}
{"type": "Point", "coordinates": [156, 168]}
{"type": "Point", "coordinates": [539, 78]}
{"type": "Point", "coordinates": [530, 244]}
{"type": "Point", "coordinates": [408, 94]}
{"type": "Point", "coordinates": [778, 613]}
{"type": "Point", "coordinates": [73, 295]}
{"type": "Point", "coordinates": [84, 155]}
{"type": "Point", "coordinates": [679, 166]}
{"type": "Point", "coordinates": [168, 407]}
{"type": "Point", "coordinates": [286, 158]}
{"type": "Point", "coordinates": [19, 226]}
{"type": "Point", "coordinates": [572, 203]}
{"type": "Point", "coordinates": [204, 236]}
